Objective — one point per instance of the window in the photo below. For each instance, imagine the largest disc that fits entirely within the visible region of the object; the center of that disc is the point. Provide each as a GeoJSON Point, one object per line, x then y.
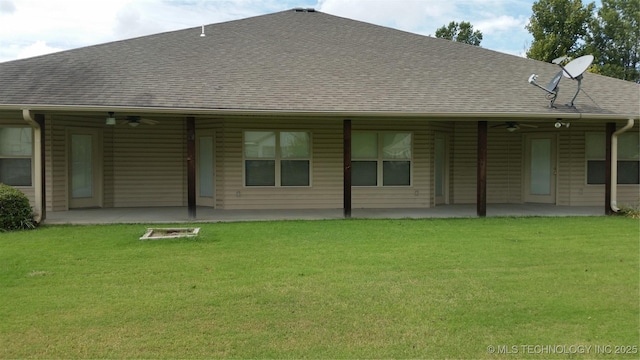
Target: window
{"type": "Point", "coordinates": [381, 158]}
{"type": "Point", "coordinates": [16, 151]}
{"type": "Point", "coordinates": [628, 158]}
{"type": "Point", "coordinates": [277, 158]}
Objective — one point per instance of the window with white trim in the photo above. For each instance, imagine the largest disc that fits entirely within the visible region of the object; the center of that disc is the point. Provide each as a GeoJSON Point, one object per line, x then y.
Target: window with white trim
{"type": "Point", "coordinates": [381, 158]}
{"type": "Point", "coordinates": [16, 156]}
{"type": "Point", "coordinates": [628, 158]}
{"type": "Point", "coordinates": [277, 158]}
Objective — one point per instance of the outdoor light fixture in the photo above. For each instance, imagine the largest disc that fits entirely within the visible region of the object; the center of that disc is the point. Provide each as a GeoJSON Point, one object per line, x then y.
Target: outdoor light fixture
{"type": "Point", "coordinates": [111, 120]}
{"type": "Point", "coordinates": [560, 124]}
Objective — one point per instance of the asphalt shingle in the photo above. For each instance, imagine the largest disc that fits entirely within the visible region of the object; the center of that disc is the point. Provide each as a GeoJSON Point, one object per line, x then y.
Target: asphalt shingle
{"type": "Point", "coordinates": [303, 61]}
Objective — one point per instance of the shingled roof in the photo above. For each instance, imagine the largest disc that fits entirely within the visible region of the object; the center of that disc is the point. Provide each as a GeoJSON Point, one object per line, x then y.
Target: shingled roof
{"type": "Point", "coordinates": [303, 61]}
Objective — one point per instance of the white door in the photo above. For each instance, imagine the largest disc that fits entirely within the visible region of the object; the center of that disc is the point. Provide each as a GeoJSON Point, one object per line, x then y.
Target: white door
{"type": "Point", "coordinates": [205, 184]}
{"type": "Point", "coordinates": [85, 168]}
{"type": "Point", "coordinates": [540, 169]}
{"type": "Point", "coordinates": [441, 169]}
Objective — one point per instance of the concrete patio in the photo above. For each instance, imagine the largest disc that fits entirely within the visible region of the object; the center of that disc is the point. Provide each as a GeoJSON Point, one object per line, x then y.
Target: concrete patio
{"type": "Point", "coordinates": [158, 215]}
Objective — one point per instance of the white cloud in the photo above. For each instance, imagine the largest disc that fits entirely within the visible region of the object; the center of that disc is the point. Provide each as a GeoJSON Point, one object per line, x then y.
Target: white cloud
{"type": "Point", "coordinates": [500, 24]}
{"type": "Point", "coordinates": [38, 48]}
{"type": "Point", "coordinates": [500, 21]}
{"type": "Point", "coordinates": [7, 7]}
{"type": "Point", "coordinates": [409, 15]}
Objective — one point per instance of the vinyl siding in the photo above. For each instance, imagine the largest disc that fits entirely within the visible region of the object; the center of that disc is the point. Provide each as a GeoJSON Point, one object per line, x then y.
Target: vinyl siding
{"type": "Point", "coordinates": [57, 146]}
{"type": "Point", "coordinates": [445, 129]}
{"type": "Point", "coordinates": [142, 166]}
{"type": "Point", "coordinates": [420, 193]}
{"type": "Point", "coordinates": [149, 164]}
{"type": "Point", "coordinates": [504, 163]}
{"type": "Point", "coordinates": [573, 182]}
{"type": "Point", "coordinates": [146, 166]}
{"type": "Point", "coordinates": [326, 167]}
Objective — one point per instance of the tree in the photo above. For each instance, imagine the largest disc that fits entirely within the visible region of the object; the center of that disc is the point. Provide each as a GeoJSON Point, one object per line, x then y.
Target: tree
{"type": "Point", "coordinates": [559, 27]}
{"type": "Point", "coordinates": [614, 39]}
{"type": "Point", "coordinates": [462, 32]}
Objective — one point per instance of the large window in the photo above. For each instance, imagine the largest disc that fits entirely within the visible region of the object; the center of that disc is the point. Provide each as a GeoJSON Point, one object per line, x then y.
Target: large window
{"type": "Point", "coordinates": [628, 158]}
{"type": "Point", "coordinates": [16, 151]}
{"type": "Point", "coordinates": [277, 158]}
{"type": "Point", "coordinates": [381, 159]}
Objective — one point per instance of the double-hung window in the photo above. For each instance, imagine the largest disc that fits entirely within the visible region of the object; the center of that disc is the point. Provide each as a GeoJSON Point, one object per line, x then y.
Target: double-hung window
{"type": "Point", "coordinates": [628, 158]}
{"type": "Point", "coordinates": [381, 159]}
{"type": "Point", "coordinates": [277, 158]}
{"type": "Point", "coordinates": [16, 153]}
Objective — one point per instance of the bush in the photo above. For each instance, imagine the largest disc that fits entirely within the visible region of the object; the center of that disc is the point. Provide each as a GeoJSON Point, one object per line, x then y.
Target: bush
{"type": "Point", "coordinates": [15, 210]}
{"type": "Point", "coordinates": [630, 211]}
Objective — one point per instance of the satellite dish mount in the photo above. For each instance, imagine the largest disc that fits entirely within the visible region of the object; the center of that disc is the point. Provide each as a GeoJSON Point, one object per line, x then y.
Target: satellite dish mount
{"type": "Point", "coordinates": [573, 70]}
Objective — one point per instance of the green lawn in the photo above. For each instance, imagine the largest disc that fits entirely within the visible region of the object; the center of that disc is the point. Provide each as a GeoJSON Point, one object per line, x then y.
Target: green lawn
{"type": "Point", "coordinates": [440, 288]}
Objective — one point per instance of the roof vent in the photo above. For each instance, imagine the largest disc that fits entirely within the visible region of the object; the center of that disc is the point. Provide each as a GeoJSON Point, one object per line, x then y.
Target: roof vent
{"type": "Point", "coordinates": [309, 10]}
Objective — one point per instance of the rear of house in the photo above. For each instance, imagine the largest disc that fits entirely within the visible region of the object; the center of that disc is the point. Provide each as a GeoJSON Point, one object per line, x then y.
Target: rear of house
{"type": "Point", "coordinates": [268, 125]}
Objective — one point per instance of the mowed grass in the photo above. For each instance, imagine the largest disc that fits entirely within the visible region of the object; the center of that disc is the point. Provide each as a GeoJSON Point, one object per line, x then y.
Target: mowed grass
{"type": "Point", "coordinates": [439, 288]}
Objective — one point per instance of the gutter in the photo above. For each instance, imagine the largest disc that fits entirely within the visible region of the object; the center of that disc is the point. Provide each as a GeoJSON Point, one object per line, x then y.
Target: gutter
{"type": "Point", "coordinates": [37, 164]}
{"type": "Point", "coordinates": [319, 113]}
{"type": "Point", "coordinates": [614, 164]}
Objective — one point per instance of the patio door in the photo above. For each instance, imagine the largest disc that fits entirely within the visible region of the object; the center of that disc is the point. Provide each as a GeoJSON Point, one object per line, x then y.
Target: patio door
{"type": "Point", "coordinates": [441, 159]}
{"type": "Point", "coordinates": [85, 168]}
{"type": "Point", "coordinates": [205, 169]}
{"type": "Point", "coordinates": [540, 169]}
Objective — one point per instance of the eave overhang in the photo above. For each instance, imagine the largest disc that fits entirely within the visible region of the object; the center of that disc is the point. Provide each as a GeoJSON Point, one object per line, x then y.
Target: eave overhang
{"type": "Point", "coordinates": [567, 113]}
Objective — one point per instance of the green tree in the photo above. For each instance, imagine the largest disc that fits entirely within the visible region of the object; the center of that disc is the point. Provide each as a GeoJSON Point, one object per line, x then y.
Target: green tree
{"type": "Point", "coordinates": [462, 32]}
{"type": "Point", "coordinates": [559, 27]}
{"type": "Point", "coordinates": [615, 39]}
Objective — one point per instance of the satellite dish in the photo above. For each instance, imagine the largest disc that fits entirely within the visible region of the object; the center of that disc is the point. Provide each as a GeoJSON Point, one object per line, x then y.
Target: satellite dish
{"type": "Point", "coordinates": [577, 67]}
{"type": "Point", "coordinates": [551, 88]}
{"type": "Point", "coordinates": [573, 70]}
{"type": "Point", "coordinates": [559, 60]}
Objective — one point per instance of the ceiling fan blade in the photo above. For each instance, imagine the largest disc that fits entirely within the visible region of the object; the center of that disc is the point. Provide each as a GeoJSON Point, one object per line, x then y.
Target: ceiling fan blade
{"type": "Point", "coordinates": [529, 126]}
{"type": "Point", "coordinates": [149, 121]}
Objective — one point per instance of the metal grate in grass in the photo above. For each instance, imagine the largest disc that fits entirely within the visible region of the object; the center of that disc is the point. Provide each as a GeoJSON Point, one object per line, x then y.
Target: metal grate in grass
{"type": "Point", "coordinates": [169, 233]}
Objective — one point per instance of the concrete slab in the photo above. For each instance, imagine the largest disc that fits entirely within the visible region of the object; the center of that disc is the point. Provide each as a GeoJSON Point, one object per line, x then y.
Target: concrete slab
{"type": "Point", "coordinates": [168, 215]}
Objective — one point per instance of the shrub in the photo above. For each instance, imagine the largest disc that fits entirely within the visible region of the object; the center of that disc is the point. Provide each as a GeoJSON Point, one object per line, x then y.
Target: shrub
{"type": "Point", "coordinates": [630, 211]}
{"type": "Point", "coordinates": [15, 210]}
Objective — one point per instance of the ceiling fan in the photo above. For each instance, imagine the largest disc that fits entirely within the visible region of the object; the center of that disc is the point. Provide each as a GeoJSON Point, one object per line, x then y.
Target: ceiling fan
{"type": "Point", "coordinates": [133, 121]}
{"type": "Point", "coordinates": [513, 126]}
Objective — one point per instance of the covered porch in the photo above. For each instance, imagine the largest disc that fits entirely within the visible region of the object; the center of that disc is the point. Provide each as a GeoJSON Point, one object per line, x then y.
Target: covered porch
{"type": "Point", "coordinates": [161, 215]}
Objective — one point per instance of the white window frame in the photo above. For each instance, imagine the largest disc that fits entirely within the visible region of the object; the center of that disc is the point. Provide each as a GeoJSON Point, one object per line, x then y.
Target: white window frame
{"type": "Point", "coordinates": [380, 159]}
{"type": "Point", "coordinates": [277, 159]}
{"type": "Point", "coordinates": [31, 157]}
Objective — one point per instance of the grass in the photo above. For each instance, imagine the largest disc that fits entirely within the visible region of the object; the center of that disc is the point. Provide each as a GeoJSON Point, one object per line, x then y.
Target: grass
{"type": "Point", "coordinates": [440, 288]}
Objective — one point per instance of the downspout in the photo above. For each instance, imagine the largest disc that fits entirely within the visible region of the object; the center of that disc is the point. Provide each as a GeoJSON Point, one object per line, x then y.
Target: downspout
{"type": "Point", "coordinates": [37, 166]}
{"type": "Point", "coordinates": [614, 164]}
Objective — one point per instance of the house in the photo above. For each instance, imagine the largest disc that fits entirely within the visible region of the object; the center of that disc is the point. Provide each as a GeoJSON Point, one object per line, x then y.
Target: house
{"type": "Point", "coordinates": [302, 110]}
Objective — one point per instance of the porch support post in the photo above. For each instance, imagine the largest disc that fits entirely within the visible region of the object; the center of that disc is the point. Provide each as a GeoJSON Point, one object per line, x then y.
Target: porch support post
{"type": "Point", "coordinates": [191, 167]}
{"type": "Point", "coordinates": [346, 135]}
{"type": "Point", "coordinates": [39, 118]}
{"type": "Point", "coordinates": [610, 129]}
{"type": "Point", "coordinates": [481, 191]}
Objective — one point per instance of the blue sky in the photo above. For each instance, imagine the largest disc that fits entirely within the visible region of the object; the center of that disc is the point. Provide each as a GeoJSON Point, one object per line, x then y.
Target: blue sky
{"type": "Point", "coordinates": [35, 27]}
